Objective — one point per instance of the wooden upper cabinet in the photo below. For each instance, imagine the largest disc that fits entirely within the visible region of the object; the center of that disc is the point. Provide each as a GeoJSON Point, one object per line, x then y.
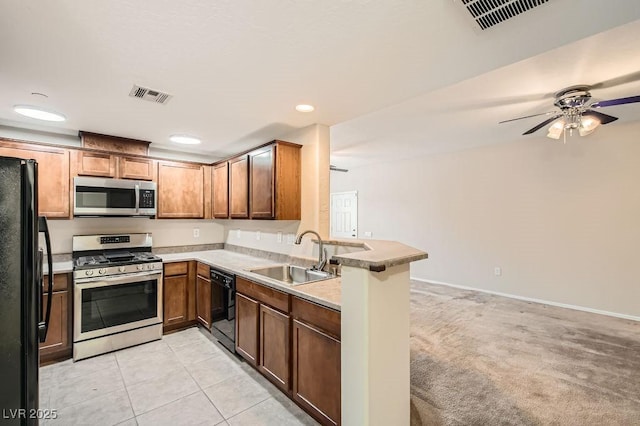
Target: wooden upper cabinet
{"type": "Point", "coordinates": [261, 181]}
{"type": "Point", "coordinates": [104, 164]}
{"type": "Point", "coordinates": [239, 187]}
{"type": "Point", "coordinates": [96, 164]}
{"type": "Point", "coordinates": [275, 182]}
{"type": "Point", "coordinates": [53, 176]}
{"type": "Point", "coordinates": [180, 190]}
{"type": "Point", "coordinates": [136, 168]}
{"type": "Point", "coordinates": [220, 187]}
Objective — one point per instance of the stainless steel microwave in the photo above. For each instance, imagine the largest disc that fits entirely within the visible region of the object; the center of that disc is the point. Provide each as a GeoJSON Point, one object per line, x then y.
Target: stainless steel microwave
{"type": "Point", "coordinates": [113, 197]}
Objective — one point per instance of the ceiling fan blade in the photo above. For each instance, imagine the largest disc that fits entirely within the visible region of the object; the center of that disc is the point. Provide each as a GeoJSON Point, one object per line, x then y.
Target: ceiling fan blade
{"type": "Point", "coordinates": [619, 101]}
{"type": "Point", "coordinates": [623, 79]}
{"type": "Point", "coordinates": [528, 116]}
{"type": "Point", "coordinates": [541, 125]}
{"type": "Point", "coordinates": [603, 118]}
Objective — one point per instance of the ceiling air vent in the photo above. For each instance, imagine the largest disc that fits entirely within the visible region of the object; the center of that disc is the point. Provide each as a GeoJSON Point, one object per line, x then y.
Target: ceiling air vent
{"type": "Point", "coordinates": [487, 13]}
{"type": "Point", "coordinates": [149, 94]}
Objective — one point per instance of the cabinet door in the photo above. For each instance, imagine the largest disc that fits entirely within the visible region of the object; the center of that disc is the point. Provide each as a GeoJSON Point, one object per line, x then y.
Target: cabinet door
{"type": "Point", "coordinates": [53, 177]}
{"type": "Point", "coordinates": [316, 372]}
{"type": "Point", "coordinates": [247, 316]}
{"type": "Point", "coordinates": [239, 187]}
{"type": "Point", "coordinates": [57, 335]}
{"type": "Point", "coordinates": [221, 190]}
{"type": "Point", "coordinates": [135, 168]}
{"type": "Point", "coordinates": [262, 183]}
{"type": "Point", "coordinates": [175, 300]}
{"type": "Point", "coordinates": [96, 164]}
{"type": "Point", "coordinates": [203, 301]}
{"type": "Point", "coordinates": [275, 359]}
{"type": "Point", "coordinates": [180, 190]}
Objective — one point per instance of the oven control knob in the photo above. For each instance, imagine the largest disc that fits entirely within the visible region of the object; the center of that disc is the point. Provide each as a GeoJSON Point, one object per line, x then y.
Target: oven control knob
{"type": "Point", "coordinates": [152, 266]}
{"type": "Point", "coordinates": [122, 268]}
{"type": "Point", "coordinates": [140, 267]}
{"type": "Point", "coordinates": [89, 272]}
{"type": "Point", "coordinates": [102, 271]}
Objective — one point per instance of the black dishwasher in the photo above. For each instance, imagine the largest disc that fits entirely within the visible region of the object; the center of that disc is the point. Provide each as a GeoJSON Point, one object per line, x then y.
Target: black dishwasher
{"type": "Point", "coordinates": [223, 308]}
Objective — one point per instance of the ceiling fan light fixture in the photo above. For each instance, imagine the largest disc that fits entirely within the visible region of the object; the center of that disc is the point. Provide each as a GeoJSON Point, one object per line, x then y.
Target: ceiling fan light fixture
{"type": "Point", "coordinates": [556, 129]}
{"type": "Point", "coordinates": [588, 125]}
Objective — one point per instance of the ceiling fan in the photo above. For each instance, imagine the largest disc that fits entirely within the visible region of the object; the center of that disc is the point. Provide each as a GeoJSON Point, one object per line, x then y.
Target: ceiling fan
{"type": "Point", "coordinates": [575, 113]}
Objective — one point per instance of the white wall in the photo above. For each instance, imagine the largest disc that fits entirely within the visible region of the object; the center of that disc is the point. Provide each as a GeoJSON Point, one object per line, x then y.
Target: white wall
{"type": "Point", "coordinates": [562, 221]}
{"type": "Point", "coordinates": [166, 233]}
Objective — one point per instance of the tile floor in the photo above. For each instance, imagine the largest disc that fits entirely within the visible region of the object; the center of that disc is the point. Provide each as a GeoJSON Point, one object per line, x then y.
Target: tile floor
{"type": "Point", "coordinates": [183, 379]}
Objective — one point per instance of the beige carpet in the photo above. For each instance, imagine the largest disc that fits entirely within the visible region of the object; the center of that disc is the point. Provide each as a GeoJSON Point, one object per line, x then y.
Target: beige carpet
{"type": "Point", "coordinates": [478, 359]}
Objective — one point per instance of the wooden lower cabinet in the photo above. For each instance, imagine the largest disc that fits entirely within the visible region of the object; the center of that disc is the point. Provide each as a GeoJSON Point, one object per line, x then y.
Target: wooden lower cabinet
{"type": "Point", "coordinates": [316, 372]}
{"type": "Point", "coordinates": [175, 299]}
{"type": "Point", "coordinates": [58, 342]}
{"type": "Point", "coordinates": [203, 295]}
{"type": "Point", "coordinates": [247, 332]}
{"type": "Point", "coordinates": [294, 343]}
{"type": "Point", "coordinates": [275, 357]}
{"type": "Point", "coordinates": [179, 295]}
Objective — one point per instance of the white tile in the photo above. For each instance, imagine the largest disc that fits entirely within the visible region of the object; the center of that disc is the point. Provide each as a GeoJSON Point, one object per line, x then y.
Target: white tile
{"type": "Point", "coordinates": [69, 391]}
{"type": "Point", "coordinates": [152, 365]}
{"type": "Point", "coordinates": [130, 422]}
{"type": "Point", "coordinates": [236, 394]}
{"type": "Point", "coordinates": [108, 409]}
{"type": "Point", "coordinates": [213, 370]}
{"type": "Point", "coordinates": [154, 393]}
{"type": "Point", "coordinates": [143, 351]}
{"type": "Point", "coordinates": [267, 413]}
{"type": "Point", "coordinates": [69, 369]}
{"type": "Point", "coordinates": [197, 351]}
{"type": "Point", "coordinates": [185, 337]}
{"type": "Point", "coordinates": [195, 409]}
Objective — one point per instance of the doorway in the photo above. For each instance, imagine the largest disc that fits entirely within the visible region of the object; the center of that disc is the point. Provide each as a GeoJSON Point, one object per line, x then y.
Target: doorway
{"type": "Point", "coordinates": [344, 214]}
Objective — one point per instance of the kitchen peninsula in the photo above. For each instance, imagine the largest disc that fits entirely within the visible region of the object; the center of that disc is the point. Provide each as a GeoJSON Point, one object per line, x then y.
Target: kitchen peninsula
{"type": "Point", "coordinates": [374, 353]}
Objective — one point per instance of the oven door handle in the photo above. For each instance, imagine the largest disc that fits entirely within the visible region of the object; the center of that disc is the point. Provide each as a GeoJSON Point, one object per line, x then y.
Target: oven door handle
{"type": "Point", "coordinates": [126, 278]}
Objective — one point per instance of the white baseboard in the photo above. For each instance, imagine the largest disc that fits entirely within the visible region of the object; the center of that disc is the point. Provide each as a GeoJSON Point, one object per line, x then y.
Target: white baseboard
{"type": "Point", "coordinates": [530, 299]}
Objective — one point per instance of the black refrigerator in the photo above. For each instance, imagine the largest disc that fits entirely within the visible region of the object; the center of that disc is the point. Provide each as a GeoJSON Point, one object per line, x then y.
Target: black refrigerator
{"type": "Point", "coordinates": [23, 323]}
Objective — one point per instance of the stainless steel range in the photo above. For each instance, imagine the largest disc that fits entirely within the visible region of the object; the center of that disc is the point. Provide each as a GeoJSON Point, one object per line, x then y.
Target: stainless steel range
{"type": "Point", "coordinates": [117, 290]}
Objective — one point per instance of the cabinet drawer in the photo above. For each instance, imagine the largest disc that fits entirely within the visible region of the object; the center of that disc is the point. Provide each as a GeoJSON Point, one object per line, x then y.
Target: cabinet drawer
{"type": "Point", "coordinates": [176, 268]}
{"type": "Point", "coordinates": [60, 282]}
{"type": "Point", "coordinates": [266, 295]}
{"type": "Point", "coordinates": [319, 316]}
{"type": "Point", "coordinates": [204, 270]}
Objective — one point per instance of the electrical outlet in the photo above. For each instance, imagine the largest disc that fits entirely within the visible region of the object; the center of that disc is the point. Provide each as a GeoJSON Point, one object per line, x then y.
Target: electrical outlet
{"type": "Point", "coordinates": [279, 237]}
{"type": "Point", "coordinates": [497, 271]}
{"type": "Point", "coordinates": [196, 232]}
{"type": "Point", "coordinates": [368, 234]}
{"type": "Point", "coordinates": [290, 239]}
{"type": "Point", "coordinates": [238, 234]}
{"type": "Point", "coordinates": [257, 235]}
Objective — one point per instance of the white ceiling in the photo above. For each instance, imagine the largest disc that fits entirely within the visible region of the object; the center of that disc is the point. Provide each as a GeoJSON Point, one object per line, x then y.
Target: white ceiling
{"type": "Point", "coordinates": [375, 69]}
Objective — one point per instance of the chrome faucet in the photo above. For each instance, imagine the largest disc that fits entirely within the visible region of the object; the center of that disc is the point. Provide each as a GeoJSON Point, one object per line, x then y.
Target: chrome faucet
{"type": "Point", "coordinates": [322, 254]}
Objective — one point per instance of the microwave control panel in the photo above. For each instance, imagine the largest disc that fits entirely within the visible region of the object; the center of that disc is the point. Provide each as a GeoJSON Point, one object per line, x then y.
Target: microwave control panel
{"type": "Point", "coordinates": [147, 199]}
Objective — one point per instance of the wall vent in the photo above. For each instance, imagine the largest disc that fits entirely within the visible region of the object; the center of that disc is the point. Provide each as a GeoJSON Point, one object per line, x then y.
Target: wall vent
{"type": "Point", "coordinates": [149, 94]}
{"type": "Point", "coordinates": [487, 13]}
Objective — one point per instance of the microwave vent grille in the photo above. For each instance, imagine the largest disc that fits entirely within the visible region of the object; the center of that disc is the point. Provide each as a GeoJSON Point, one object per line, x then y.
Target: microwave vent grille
{"type": "Point", "coordinates": [150, 95]}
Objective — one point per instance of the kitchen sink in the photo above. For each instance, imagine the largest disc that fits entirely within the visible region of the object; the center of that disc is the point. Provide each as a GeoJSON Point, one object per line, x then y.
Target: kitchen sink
{"type": "Point", "coordinates": [292, 275]}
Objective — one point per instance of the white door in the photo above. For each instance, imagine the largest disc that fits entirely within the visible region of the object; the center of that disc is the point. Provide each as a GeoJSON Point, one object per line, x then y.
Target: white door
{"type": "Point", "coordinates": [344, 214]}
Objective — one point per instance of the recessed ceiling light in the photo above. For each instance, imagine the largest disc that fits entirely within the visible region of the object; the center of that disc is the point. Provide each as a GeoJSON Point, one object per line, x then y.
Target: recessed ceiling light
{"type": "Point", "coordinates": [304, 108]}
{"type": "Point", "coordinates": [38, 113]}
{"type": "Point", "coordinates": [185, 140]}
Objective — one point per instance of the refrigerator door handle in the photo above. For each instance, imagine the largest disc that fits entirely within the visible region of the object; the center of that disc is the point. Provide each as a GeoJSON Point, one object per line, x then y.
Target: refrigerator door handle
{"type": "Point", "coordinates": [43, 326]}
